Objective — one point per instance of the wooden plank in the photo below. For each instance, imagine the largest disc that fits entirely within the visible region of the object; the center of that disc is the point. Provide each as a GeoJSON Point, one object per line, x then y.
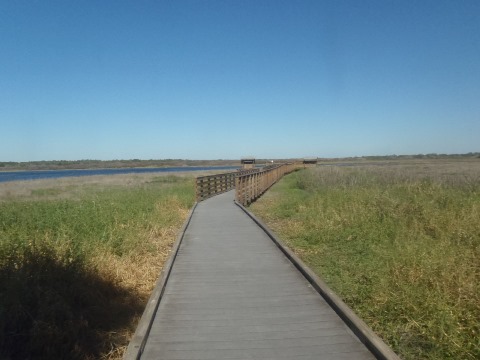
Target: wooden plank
{"type": "Point", "coordinates": [361, 330]}
{"type": "Point", "coordinates": [232, 294]}
{"type": "Point", "coordinates": [139, 339]}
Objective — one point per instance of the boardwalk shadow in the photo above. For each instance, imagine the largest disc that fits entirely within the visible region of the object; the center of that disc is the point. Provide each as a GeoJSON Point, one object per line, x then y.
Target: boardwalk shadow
{"type": "Point", "coordinates": [54, 308]}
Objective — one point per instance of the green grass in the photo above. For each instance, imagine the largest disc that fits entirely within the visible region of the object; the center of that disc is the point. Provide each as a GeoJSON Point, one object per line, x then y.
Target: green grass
{"type": "Point", "coordinates": [76, 270]}
{"type": "Point", "coordinates": [401, 246]}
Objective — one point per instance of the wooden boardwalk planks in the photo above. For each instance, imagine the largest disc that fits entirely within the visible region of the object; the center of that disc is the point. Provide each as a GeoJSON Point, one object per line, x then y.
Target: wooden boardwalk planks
{"type": "Point", "coordinates": [232, 294]}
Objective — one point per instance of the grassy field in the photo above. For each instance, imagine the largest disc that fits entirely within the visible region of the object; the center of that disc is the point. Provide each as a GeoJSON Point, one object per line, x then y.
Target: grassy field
{"type": "Point", "coordinates": [400, 243]}
{"type": "Point", "coordinates": [79, 258]}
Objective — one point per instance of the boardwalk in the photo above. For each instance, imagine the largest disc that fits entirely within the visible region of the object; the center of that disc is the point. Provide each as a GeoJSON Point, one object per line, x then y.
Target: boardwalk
{"type": "Point", "coordinates": [232, 294]}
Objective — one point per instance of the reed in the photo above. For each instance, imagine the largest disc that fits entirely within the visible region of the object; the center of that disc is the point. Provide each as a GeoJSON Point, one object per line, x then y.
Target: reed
{"type": "Point", "coordinates": [78, 263]}
{"type": "Point", "coordinates": [399, 243]}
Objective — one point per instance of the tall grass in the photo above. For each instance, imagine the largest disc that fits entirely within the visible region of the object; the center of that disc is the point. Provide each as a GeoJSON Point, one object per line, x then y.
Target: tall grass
{"type": "Point", "coordinates": [400, 245]}
{"type": "Point", "coordinates": [76, 270]}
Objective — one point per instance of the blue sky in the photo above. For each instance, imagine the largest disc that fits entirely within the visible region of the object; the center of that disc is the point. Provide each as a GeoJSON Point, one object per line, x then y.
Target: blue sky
{"type": "Point", "coordinates": [224, 79]}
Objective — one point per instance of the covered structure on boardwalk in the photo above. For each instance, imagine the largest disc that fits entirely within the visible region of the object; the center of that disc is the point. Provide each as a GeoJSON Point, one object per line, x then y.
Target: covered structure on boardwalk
{"type": "Point", "coordinates": [310, 161]}
{"type": "Point", "coordinates": [248, 162]}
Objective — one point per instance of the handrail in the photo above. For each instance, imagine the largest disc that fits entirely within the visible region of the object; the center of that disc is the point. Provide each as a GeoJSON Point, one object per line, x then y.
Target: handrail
{"type": "Point", "coordinates": [250, 187]}
{"type": "Point", "coordinates": [249, 183]}
{"type": "Point", "coordinates": [210, 185]}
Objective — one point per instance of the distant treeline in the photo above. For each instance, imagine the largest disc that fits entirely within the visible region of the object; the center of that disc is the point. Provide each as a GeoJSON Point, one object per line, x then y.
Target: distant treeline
{"type": "Point", "coordinates": [470, 155]}
{"type": "Point", "coordinates": [426, 156]}
{"type": "Point", "coordinates": [99, 164]}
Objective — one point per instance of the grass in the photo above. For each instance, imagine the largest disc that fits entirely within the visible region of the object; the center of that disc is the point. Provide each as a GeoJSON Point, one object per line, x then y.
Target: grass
{"type": "Point", "coordinates": [78, 263]}
{"type": "Point", "coordinates": [399, 243]}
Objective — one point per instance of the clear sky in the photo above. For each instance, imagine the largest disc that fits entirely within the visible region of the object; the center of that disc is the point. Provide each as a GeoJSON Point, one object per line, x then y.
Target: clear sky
{"type": "Point", "coordinates": [202, 79]}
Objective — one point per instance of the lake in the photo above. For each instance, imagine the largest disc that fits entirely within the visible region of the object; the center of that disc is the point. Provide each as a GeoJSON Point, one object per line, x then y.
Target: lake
{"type": "Point", "coordinates": [52, 174]}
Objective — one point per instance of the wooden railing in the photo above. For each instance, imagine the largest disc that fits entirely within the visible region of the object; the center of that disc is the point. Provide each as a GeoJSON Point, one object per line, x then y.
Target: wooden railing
{"type": "Point", "coordinates": [249, 184]}
{"type": "Point", "coordinates": [210, 185]}
{"type": "Point", "coordinates": [249, 187]}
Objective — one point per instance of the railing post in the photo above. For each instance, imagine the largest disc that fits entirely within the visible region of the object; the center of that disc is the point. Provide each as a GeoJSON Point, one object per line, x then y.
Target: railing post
{"type": "Point", "coordinates": [210, 185]}
{"type": "Point", "coordinates": [251, 184]}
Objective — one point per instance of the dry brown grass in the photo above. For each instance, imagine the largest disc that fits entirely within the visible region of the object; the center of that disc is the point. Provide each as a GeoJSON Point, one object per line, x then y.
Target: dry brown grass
{"type": "Point", "coordinates": [398, 241]}
{"type": "Point", "coordinates": [93, 248]}
{"type": "Point", "coordinates": [139, 274]}
{"type": "Point", "coordinates": [71, 187]}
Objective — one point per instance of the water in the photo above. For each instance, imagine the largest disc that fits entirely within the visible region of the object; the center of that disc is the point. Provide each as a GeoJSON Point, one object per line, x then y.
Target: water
{"type": "Point", "coordinates": [54, 174]}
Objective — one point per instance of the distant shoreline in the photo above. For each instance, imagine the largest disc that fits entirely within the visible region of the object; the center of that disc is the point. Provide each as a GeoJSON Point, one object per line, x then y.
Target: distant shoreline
{"type": "Point", "coordinates": [7, 166]}
{"type": "Point", "coordinates": [109, 164]}
{"type": "Point", "coordinates": [14, 170]}
{"type": "Point", "coordinates": [9, 176]}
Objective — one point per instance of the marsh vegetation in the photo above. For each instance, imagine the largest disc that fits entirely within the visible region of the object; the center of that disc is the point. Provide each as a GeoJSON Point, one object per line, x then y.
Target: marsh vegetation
{"type": "Point", "coordinates": [78, 261]}
{"type": "Point", "coordinates": [400, 243]}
